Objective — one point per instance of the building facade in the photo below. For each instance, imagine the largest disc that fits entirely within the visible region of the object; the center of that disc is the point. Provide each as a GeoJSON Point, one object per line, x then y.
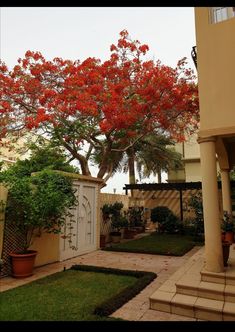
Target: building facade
{"type": "Point", "coordinates": [215, 39]}
{"type": "Point", "coordinates": [191, 170]}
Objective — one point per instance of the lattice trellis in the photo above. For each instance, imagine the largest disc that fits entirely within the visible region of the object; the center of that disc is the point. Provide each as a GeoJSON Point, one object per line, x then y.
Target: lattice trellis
{"type": "Point", "coordinates": [13, 240]}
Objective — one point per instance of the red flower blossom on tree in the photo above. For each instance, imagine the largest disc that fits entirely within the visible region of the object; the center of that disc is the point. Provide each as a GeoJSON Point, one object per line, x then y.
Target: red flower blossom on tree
{"type": "Point", "coordinates": [108, 105]}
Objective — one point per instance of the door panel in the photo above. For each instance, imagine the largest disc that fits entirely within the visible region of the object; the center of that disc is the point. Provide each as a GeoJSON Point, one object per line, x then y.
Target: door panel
{"type": "Point", "coordinates": [80, 230]}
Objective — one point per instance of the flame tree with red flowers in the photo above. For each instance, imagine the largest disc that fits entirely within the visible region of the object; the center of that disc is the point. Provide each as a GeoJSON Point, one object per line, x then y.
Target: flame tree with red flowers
{"type": "Point", "coordinates": [98, 108]}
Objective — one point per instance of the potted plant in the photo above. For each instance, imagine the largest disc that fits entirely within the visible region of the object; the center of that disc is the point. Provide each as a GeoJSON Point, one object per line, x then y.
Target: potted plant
{"type": "Point", "coordinates": [118, 222]}
{"type": "Point", "coordinates": [228, 227]}
{"type": "Point", "coordinates": [35, 204]}
{"type": "Point", "coordinates": [107, 211]}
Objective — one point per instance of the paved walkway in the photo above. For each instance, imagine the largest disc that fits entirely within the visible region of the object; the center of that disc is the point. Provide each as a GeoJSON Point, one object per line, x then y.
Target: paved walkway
{"type": "Point", "coordinates": [137, 309]}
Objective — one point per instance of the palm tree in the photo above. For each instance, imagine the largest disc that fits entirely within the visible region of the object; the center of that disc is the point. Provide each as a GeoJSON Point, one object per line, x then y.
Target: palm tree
{"type": "Point", "coordinates": [155, 155]}
{"type": "Point", "coordinates": [152, 154]}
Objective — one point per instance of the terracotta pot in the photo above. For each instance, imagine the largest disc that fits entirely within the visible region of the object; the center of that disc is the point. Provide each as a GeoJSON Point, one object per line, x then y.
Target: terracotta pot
{"type": "Point", "coordinates": [129, 234]}
{"type": "Point", "coordinates": [229, 236]}
{"type": "Point", "coordinates": [223, 236]}
{"type": "Point", "coordinates": [116, 237]}
{"type": "Point", "coordinates": [23, 264]}
{"type": "Point", "coordinates": [226, 249]}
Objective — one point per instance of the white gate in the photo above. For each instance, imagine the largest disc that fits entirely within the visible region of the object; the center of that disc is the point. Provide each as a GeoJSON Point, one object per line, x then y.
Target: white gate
{"type": "Point", "coordinates": [79, 234]}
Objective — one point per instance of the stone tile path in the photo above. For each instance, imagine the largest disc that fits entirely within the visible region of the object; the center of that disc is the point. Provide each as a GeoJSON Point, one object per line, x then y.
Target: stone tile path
{"type": "Point", "coordinates": [137, 309]}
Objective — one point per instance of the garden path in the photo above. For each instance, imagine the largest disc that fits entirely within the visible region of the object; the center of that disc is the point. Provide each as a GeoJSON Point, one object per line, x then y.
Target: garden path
{"type": "Point", "coordinates": [137, 309]}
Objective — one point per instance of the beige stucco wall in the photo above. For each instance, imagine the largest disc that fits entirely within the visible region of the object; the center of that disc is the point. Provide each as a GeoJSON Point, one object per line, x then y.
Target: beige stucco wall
{"type": "Point", "coordinates": [47, 246]}
{"type": "Point", "coordinates": [191, 147]}
{"type": "Point", "coordinates": [17, 150]}
{"type": "Point", "coordinates": [215, 55]}
{"type": "Point", "coordinates": [193, 172]}
{"type": "Point", "coordinates": [174, 176]}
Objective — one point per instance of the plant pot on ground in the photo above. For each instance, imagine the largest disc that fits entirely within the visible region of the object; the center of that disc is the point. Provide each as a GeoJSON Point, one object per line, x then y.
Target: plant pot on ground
{"type": "Point", "coordinates": [118, 222]}
{"type": "Point", "coordinates": [23, 263]}
{"type": "Point", "coordinates": [129, 233]}
{"type": "Point", "coordinates": [228, 227]}
{"type": "Point", "coordinates": [35, 204]}
{"type": "Point", "coordinates": [115, 236]}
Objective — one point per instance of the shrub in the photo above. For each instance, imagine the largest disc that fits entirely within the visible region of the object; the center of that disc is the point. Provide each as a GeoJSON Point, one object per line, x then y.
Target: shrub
{"type": "Point", "coordinates": [159, 213]}
{"type": "Point", "coordinates": [135, 216]}
{"type": "Point", "coordinates": [168, 221]}
{"type": "Point", "coordinates": [38, 203]}
{"type": "Point", "coordinates": [195, 203]}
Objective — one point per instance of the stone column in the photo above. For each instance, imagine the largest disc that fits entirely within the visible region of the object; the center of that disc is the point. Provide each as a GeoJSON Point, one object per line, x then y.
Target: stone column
{"type": "Point", "coordinates": [226, 191]}
{"type": "Point", "coordinates": [213, 245]}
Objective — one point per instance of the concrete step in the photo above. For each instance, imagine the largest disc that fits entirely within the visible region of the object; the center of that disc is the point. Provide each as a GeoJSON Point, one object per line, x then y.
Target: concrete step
{"type": "Point", "coordinates": [192, 306]}
{"type": "Point", "coordinates": [208, 290]}
{"type": "Point", "coordinates": [219, 278]}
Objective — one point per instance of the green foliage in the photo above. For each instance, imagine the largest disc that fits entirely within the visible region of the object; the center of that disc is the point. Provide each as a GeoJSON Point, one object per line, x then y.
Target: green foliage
{"type": "Point", "coordinates": [118, 221]}
{"type": "Point", "coordinates": [107, 209]}
{"type": "Point", "coordinates": [113, 211]}
{"type": "Point", "coordinates": [135, 216]}
{"type": "Point", "coordinates": [38, 203]}
{"type": "Point", "coordinates": [195, 203]}
{"type": "Point", "coordinates": [44, 157]}
{"type": "Point", "coordinates": [168, 221]}
{"type": "Point", "coordinates": [160, 213]}
{"type": "Point", "coordinates": [228, 223]}
{"type": "Point", "coordinates": [232, 174]}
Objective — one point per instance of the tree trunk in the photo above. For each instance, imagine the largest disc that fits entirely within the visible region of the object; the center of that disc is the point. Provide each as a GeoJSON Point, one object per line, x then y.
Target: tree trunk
{"type": "Point", "coordinates": [131, 167]}
{"type": "Point", "coordinates": [159, 176]}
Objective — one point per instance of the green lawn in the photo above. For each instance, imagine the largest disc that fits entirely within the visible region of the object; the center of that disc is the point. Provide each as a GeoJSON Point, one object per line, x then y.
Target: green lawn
{"type": "Point", "coordinates": [71, 295]}
{"type": "Point", "coordinates": [155, 243]}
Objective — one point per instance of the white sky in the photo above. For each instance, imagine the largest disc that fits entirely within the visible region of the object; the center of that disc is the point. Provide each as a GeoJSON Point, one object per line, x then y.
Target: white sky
{"type": "Point", "coordinates": [81, 32]}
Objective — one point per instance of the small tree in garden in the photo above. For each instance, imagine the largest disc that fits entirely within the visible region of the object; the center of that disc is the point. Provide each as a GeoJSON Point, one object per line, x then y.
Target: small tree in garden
{"type": "Point", "coordinates": [38, 203]}
{"type": "Point", "coordinates": [98, 110]}
{"type": "Point", "coordinates": [167, 220]}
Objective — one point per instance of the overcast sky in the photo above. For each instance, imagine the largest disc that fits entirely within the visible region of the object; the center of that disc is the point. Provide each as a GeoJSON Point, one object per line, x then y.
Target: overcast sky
{"type": "Point", "coordinates": [81, 32]}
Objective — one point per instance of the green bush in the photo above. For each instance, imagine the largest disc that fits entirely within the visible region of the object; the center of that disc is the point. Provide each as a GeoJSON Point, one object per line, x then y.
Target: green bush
{"type": "Point", "coordinates": [160, 213]}
{"type": "Point", "coordinates": [41, 158]}
{"type": "Point", "coordinates": [38, 203]}
{"type": "Point", "coordinates": [135, 216]}
{"type": "Point", "coordinates": [195, 203]}
{"type": "Point", "coordinates": [168, 221]}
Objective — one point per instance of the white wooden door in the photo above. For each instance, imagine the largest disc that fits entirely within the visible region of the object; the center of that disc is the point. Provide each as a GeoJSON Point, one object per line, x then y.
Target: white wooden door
{"type": "Point", "coordinates": [79, 234]}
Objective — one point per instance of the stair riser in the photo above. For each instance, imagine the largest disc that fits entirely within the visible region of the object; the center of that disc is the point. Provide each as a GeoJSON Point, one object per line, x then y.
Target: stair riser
{"type": "Point", "coordinates": [193, 312]}
{"type": "Point", "coordinates": [207, 294]}
{"type": "Point", "coordinates": [219, 280]}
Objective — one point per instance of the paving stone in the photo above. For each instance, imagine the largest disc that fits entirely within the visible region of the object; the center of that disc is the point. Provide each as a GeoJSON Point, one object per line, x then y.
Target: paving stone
{"type": "Point", "coordinates": [137, 308]}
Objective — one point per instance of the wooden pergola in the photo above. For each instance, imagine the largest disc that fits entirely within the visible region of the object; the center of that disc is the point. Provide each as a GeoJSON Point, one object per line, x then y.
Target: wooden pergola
{"type": "Point", "coordinates": [178, 186]}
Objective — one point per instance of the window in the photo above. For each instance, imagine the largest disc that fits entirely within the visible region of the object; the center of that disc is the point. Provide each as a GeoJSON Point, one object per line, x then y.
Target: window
{"type": "Point", "coordinates": [219, 14]}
